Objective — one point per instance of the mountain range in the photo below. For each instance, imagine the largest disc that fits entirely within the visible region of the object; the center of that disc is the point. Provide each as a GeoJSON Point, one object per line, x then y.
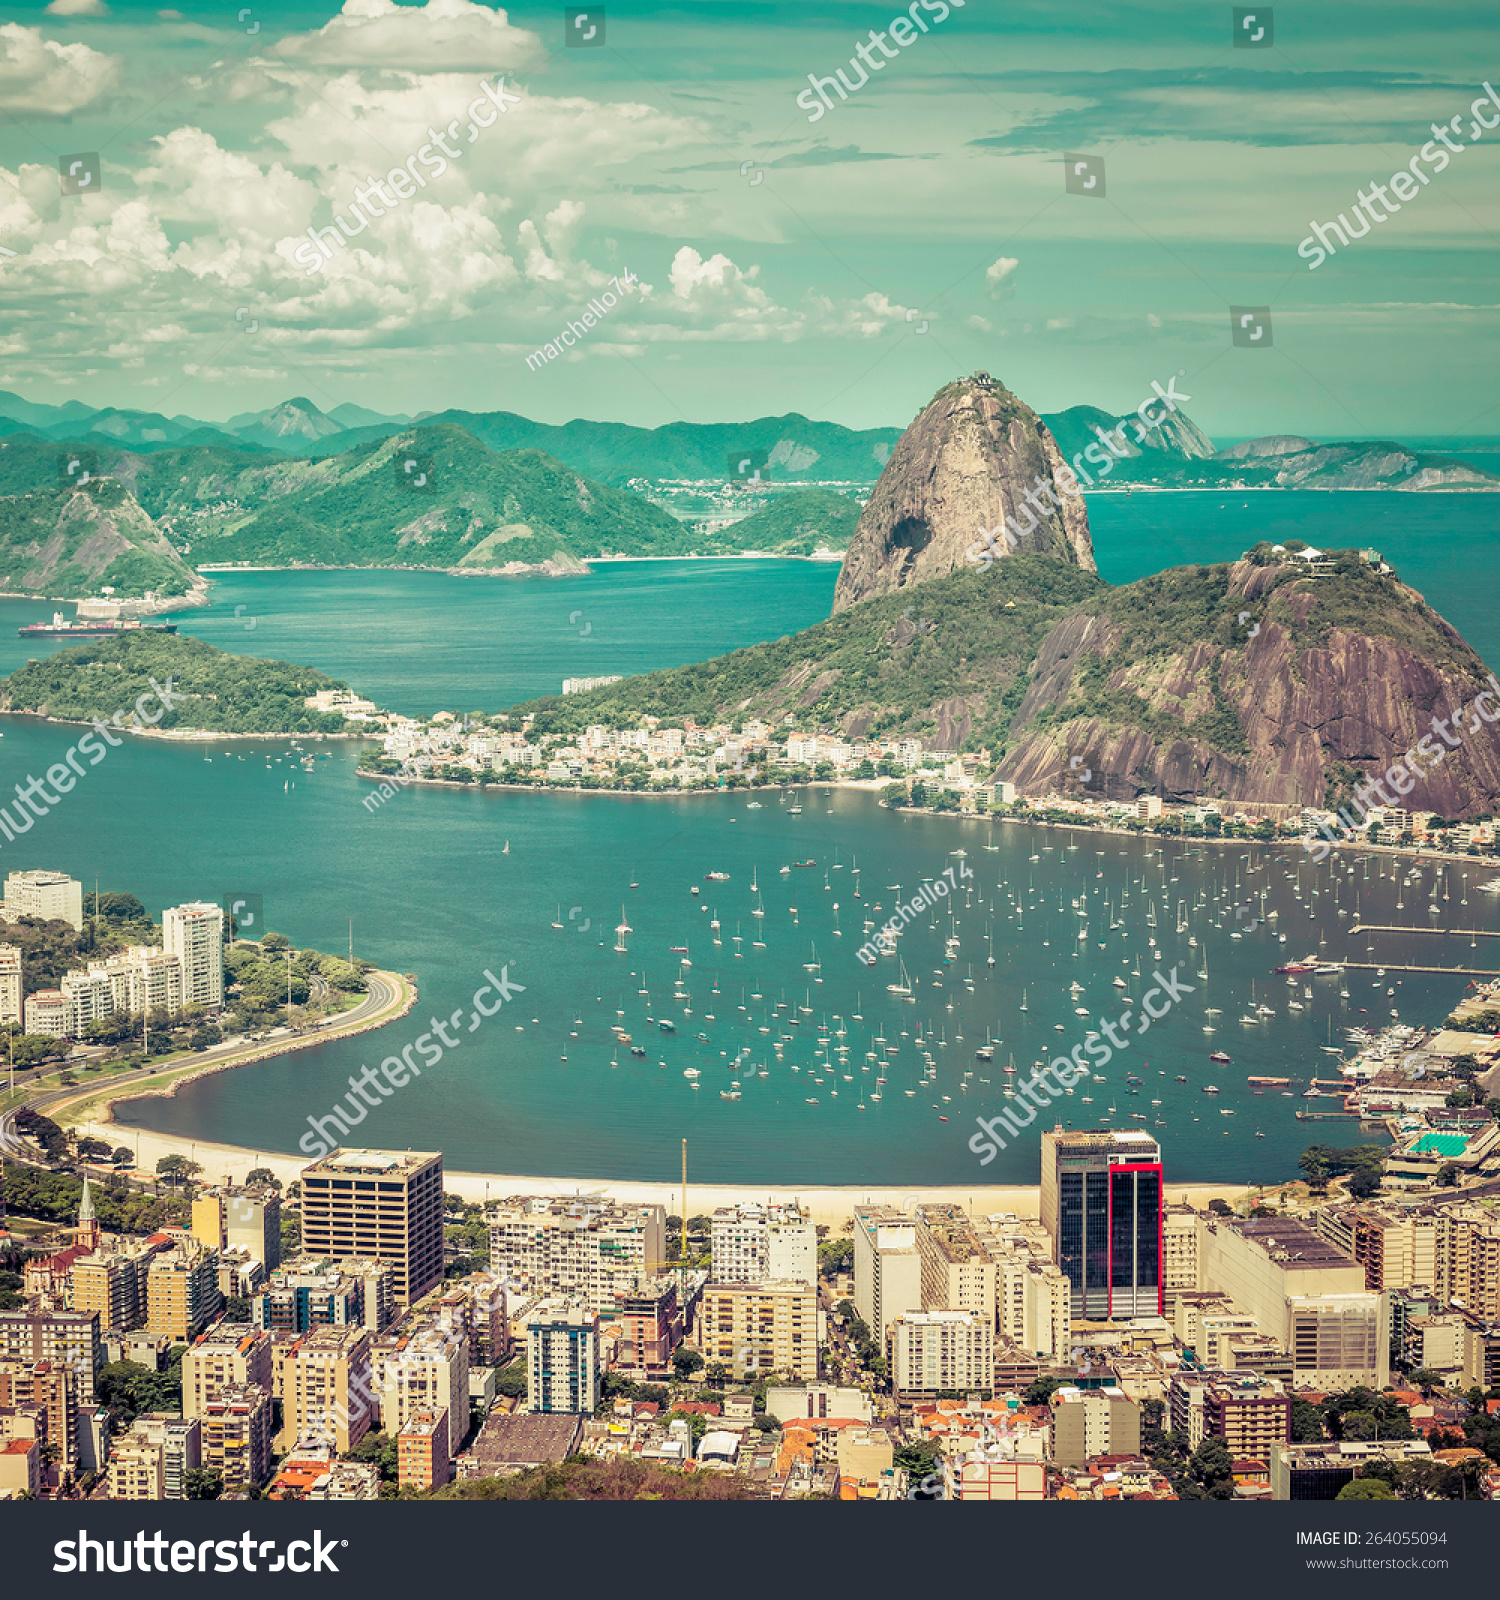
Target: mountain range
{"type": "Point", "coordinates": [1174, 453]}
{"type": "Point", "coordinates": [136, 500]}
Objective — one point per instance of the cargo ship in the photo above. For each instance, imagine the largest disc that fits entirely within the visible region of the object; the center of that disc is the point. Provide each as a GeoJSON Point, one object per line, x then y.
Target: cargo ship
{"type": "Point", "coordinates": [60, 628]}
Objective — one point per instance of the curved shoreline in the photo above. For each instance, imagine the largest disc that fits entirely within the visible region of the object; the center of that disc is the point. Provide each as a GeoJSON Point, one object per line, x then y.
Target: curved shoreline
{"type": "Point", "coordinates": [101, 1100]}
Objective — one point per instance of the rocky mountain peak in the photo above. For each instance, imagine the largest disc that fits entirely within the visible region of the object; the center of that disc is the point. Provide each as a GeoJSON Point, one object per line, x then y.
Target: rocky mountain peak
{"type": "Point", "coordinates": [977, 461]}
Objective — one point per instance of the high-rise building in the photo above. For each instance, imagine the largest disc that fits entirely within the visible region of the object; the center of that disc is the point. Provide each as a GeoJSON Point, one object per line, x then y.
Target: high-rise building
{"type": "Point", "coordinates": [52, 1388]}
{"type": "Point", "coordinates": [10, 983]}
{"type": "Point", "coordinates": [1101, 1205]}
{"type": "Point", "coordinates": [958, 1272]}
{"type": "Point", "coordinates": [1179, 1254]}
{"type": "Point", "coordinates": [1302, 1291]}
{"type": "Point", "coordinates": [194, 933]}
{"type": "Point", "coordinates": [933, 1351]}
{"type": "Point", "coordinates": [250, 1219]}
{"type": "Point", "coordinates": [229, 1356]}
{"type": "Point", "coordinates": [63, 1338]}
{"type": "Point", "coordinates": [887, 1268]}
{"type": "Point", "coordinates": [111, 1281]}
{"type": "Point", "coordinates": [594, 1251]}
{"type": "Point", "coordinates": [426, 1371]}
{"type": "Point", "coordinates": [760, 1328]}
{"type": "Point", "coordinates": [562, 1357]}
{"type": "Point", "coordinates": [1319, 1471]}
{"type": "Point", "coordinates": [387, 1204]}
{"type": "Point", "coordinates": [236, 1435]}
{"type": "Point", "coordinates": [649, 1329]}
{"type": "Point", "coordinates": [182, 1289]}
{"type": "Point", "coordinates": [323, 1381]}
{"type": "Point", "coordinates": [475, 1307]}
{"type": "Point", "coordinates": [49, 896]}
{"type": "Point", "coordinates": [178, 1444]}
{"type": "Point", "coordinates": [752, 1243]}
{"type": "Point", "coordinates": [1093, 1422]}
{"type": "Point", "coordinates": [48, 1014]}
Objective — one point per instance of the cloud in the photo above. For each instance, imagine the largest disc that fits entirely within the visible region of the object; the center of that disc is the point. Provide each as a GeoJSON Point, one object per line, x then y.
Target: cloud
{"type": "Point", "coordinates": [999, 277]}
{"type": "Point", "coordinates": [42, 77]}
{"type": "Point", "coordinates": [1260, 107]}
{"type": "Point", "coordinates": [77, 8]}
{"type": "Point", "coordinates": [441, 36]}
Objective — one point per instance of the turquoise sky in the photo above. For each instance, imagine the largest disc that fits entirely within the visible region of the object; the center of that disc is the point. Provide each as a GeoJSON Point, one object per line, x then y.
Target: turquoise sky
{"type": "Point", "coordinates": [843, 267]}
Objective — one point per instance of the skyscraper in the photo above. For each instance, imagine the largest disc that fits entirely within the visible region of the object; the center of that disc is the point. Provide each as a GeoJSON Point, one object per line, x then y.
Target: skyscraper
{"type": "Point", "coordinates": [562, 1360]}
{"type": "Point", "coordinates": [1102, 1209]}
{"type": "Point", "coordinates": [194, 933]}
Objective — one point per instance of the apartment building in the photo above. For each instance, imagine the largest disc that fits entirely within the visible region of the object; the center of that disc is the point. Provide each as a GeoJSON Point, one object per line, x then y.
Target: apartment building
{"type": "Point", "coordinates": [425, 1372]}
{"type": "Point", "coordinates": [182, 1290]}
{"type": "Point", "coordinates": [354, 1293]}
{"type": "Point", "coordinates": [887, 1268]}
{"type": "Point", "coordinates": [562, 1358]}
{"type": "Point", "coordinates": [111, 1282]}
{"type": "Point", "coordinates": [52, 1389]}
{"type": "Point", "coordinates": [385, 1204]}
{"type": "Point", "coordinates": [647, 1329]}
{"type": "Point", "coordinates": [235, 1433]}
{"type": "Point", "coordinates": [153, 1460]}
{"type": "Point", "coordinates": [61, 1338]}
{"type": "Point", "coordinates": [1251, 1413]}
{"type": "Point", "coordinates": [229, 1218]}
{"type": "Point", "coordinates": [475, 1307]}
{"type": "Point", "coordinates": [957, 1270]}
{"type": "Point", "coordinates": [752, 1243]}
{"type": "Point", "coordinates": [323, 1381]}
{"type": "Point", "coordinates": [593, 1251]}
{"type": "Point", "coordinates": [1179, 1254]}
{"type": "Point", "coordinates": [933, 1352]}
{"type": "Point", "coordinates": [10, 983]}
{"type": "Point", "coordinates": [194, 933]}
{"type": "Point", "coordinates": [422, 1456]}
{"type": "Point", "coordinates": [1093, 1422]}
{"type": "Point", "coordinates": [227, 1357]}
{"type": "Point", "coordinates": [48, 896]}
{"type": "Point", "coordinates": [761, 1328]}
{"type": "Point", "coordinates": [1453, 1250]}
{"type": "Point", "coordinates": [1033, 1299]}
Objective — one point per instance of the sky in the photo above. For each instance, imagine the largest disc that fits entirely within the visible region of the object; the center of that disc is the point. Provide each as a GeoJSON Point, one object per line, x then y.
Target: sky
{"type": "Point", "coordinates": [841, 259]}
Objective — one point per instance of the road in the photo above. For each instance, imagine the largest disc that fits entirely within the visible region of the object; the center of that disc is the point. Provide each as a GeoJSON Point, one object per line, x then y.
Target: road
{"type": "Point", "coordinates": [389, 996]}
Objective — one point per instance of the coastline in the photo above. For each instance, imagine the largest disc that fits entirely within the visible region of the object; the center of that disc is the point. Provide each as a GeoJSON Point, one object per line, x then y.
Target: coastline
{"type": "Point", "coordinates": [829, 1203]}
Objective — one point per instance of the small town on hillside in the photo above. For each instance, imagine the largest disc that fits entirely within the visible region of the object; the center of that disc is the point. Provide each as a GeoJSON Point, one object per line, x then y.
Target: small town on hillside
{"type": "Point", "coordinates": [752, 754]}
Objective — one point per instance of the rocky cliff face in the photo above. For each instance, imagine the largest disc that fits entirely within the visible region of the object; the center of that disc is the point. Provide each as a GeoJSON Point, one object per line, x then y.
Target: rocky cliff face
{"type": "Point", "coordinates": [1162, 688]}
{"type": "Point", "coordinates": [965, 465]}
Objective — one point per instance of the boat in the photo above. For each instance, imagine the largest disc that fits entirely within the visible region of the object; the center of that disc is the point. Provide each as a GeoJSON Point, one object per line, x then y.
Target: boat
{"type": "Point", "coordinates": [60, 628]}
{"type": "Point", "coordinates": [667, 1025]}
{"type": "Point", "coordinates": [1219, 1055]}
{"type": "Point", "coordinates": [1306, 964]}
{"type": "Point", "coordinates": [1209, 1088]}
{"type": "Point", "coordinates": [716, 877]}
{"type": "Point", "coordinates": [637, 1049]}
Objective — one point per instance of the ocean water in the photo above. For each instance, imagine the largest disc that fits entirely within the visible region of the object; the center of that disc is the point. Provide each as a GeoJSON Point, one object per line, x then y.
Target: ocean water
{"type": "Point", "coordinates": [431, 890]}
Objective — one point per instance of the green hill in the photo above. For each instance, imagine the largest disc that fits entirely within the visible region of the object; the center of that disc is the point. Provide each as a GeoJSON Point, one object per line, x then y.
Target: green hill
{"type": "Point", "coordinates": [795, 524]}
{"type": "Point", "coordinates": [229, 693]}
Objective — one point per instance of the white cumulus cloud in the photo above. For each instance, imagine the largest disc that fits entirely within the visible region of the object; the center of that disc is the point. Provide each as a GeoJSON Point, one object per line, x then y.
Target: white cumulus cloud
{"type": "Point", "coordinates": [42, 77]}
{"type": "Point", "coordinates": [441, 36]}
{"type": "Point", "coordinates": [999, 277]}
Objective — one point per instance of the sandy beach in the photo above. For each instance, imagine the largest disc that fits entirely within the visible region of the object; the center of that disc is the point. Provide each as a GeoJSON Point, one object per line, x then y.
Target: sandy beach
{"type": "Point", "coordinates": [832, 1205]}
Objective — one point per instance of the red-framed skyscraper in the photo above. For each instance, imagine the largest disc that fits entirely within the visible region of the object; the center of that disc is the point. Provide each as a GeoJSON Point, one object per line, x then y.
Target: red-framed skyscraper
{"type": "Point", "coordinates": [1102, 1209]}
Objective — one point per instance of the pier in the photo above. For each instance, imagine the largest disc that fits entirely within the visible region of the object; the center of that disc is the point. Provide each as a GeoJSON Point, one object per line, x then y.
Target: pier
{"type": "Point", "coordinates": [1447, 933]}
{"type": "Point", "coordinates": [1392, 966]}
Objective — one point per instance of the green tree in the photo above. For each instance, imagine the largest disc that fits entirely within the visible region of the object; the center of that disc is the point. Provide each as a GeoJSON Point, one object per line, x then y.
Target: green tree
{"type": "Point", "coordinates": [1365, 1489]}
{"type": "Point", "coordinates": [1211, 1467]}
{"type": "Point", "coordinates": [202, 1483]}
{"type": "Point", "coordinates": [685, 1363]}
